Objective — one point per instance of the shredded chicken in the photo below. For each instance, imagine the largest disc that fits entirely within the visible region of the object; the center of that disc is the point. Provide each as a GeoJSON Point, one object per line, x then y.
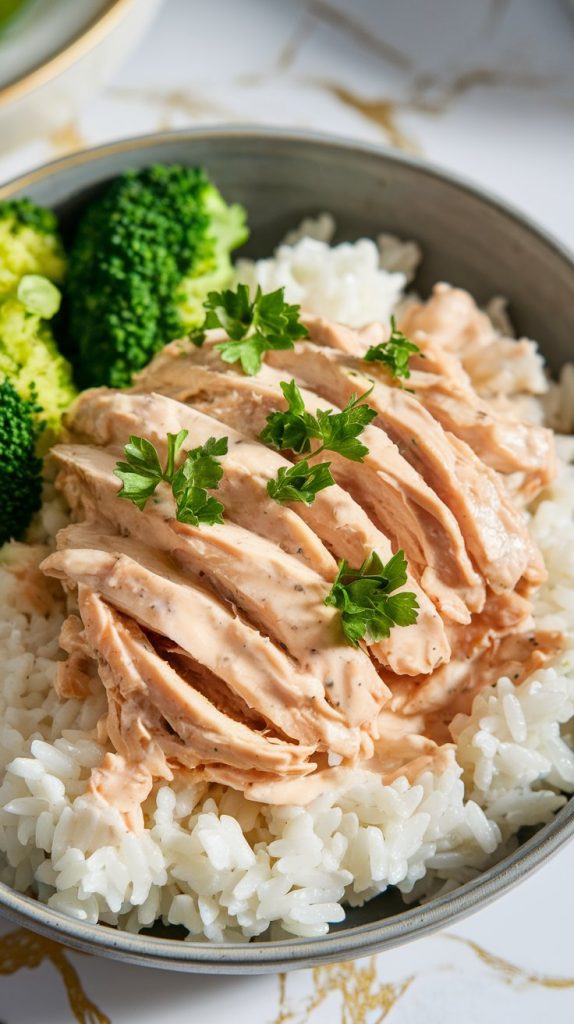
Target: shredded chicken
{"type": "Point", "coordinates": [218, 655]}
{"type": "Point", "coordinates": [442, 385]}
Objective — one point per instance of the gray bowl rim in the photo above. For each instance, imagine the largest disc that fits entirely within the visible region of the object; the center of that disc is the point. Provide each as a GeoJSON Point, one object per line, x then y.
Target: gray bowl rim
{"type": "Point", "coordinates": [360, 940]}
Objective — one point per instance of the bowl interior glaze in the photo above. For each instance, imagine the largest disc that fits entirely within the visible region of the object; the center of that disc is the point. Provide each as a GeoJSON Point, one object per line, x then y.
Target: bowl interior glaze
{"type": "Point", "coordinates": [468, 239]}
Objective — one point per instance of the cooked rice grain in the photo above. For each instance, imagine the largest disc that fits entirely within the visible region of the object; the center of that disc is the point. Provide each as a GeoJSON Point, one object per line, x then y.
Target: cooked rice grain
{"type": "Point", "coordinates": [208, 859]}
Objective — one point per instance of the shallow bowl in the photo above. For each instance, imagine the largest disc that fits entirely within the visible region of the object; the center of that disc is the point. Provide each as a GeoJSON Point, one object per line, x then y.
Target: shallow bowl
{"type": "Point", "coordinates": [469, 239]}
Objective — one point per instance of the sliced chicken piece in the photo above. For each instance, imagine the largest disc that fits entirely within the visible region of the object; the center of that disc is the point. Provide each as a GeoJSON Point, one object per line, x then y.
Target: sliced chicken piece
{"type": "Point", "coordinates": [452, 317]}
{"type": "Point", "coordinates": [146, 585]}
{"type": "Point", "coordinates": [280, 595]}
{"type": "Point", "coordinates": [110, 417]}
{"type": "Point", "coordinates": [141, 677]}
{"type": "Point", "coordinates": [502, 441]}
{"type": "Point", "coordinates": [497, 366]}
{"type": "Point", "coordinates": [334, 517]}
{"type": "Point", "coordinates": [123, 785]}
{"type": "Point", "coordinates": [407, 758]}
{"type": "Point", "coordinates": [452, 692]}
{"type": "Point", "coordinates": [402, 504]}
{"type": "Point", "coordinates": [349, 532]}
{"type": "Point", "coordinates": [75, 675]}
{"type": "Point", "coordinates": [495, 532]}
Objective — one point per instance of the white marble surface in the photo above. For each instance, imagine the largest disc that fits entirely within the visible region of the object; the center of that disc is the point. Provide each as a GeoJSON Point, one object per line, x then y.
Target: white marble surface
{"type": "Point", "coordinates": [484, 88]}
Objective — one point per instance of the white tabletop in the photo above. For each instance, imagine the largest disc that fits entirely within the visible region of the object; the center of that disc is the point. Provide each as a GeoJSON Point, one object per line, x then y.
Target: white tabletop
{"type": "Point", "coordinates": [484, 88]}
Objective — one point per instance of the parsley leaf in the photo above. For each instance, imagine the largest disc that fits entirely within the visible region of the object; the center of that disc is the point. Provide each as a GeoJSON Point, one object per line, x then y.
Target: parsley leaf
{"type": "Point", "coordinates": [364, 598]}
{"type": "Point", "coordinates": [253, 327]}
{"type": "Point", "coordinates": [294, 430]}
{"type": "Point", "coordinates": [337, 431]}
{"type": "Point", "coordinates": [142, 472]}
{"type": "Point", "coordinates": [394, 353]}
{"type": "Point", "coordinates": [231, 310]}
{"type": "Point", "coordinates": [199, 471]}
{"type": "Point", "coordinates": [194, 506]}
{"type": "Point", "coordinates": [300, 482]}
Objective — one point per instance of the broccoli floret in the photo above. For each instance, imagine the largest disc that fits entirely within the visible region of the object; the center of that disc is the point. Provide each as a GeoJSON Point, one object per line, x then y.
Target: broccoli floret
{"type": "Point", "coordinates": [30, 358]}
{"type": "Point", "coordinates": [20, 467]}
{"type": "Point", "coordinates": [32, 264]}
{"type": "Point", "coordinates": [146, 253]}
{"type": "Point", "coordinates": [29, 244]}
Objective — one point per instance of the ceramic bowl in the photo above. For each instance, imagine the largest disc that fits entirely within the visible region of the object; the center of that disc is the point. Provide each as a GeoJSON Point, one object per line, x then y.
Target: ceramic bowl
{"type": "Point", "coordinates": [469, 239]}
{"type": "Point", "coordinates": [55, 54]}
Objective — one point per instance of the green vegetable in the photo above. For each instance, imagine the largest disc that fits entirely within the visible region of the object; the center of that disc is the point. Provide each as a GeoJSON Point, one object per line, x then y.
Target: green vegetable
{"type": "Point", "coordinates": [32, 265]}
{"type": "Point", "coordinates": [200, 470]}
{"type": "Point", "coordinates": [365, 598]}
{"type": "Point", "coordinates": [300, 482]}
{"type": "Point", "coordinates": [20, 467]}
{"type": "Point", "coordinates": [394, 353]}
{"type": "Point", "coordinates": [254, 327]}
{"type": "Point", "coordinates": [295, 429]}
{"type": "Point", "coordinates": [8, 10]}
{"type": "Point", "coordinates": [144, 257]}
{"type": "Point", "coordinates": [38, 295]}
{"type": "Point", "coordinates": [29, 244]}
{"type": "Point", "coordinates": [337, 431]}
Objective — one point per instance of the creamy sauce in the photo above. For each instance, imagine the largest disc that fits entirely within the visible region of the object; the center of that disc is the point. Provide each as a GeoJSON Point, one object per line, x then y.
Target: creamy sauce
{"type": "Point", "coordinates": [217, 653]}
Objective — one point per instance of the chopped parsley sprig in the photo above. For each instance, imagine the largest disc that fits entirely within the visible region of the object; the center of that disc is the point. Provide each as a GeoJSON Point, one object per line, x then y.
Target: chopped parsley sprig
{"type": "Point", "coordinates": [300, 482]}
{"type": "Point", "coordinates": [394, 353]}
{"type": "Point", "coordinates": [295, 429]}
{"type": "Point", "coordinates": [142, 473]}
{"type": "Point", "coordinates": [364, 597]}
{"type": "Point", "coordinates": [253, 327]}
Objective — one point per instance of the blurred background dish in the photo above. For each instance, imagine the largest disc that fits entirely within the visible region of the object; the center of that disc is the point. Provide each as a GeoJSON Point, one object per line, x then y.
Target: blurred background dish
{"type": "Point", "coordinates": [54, 55]}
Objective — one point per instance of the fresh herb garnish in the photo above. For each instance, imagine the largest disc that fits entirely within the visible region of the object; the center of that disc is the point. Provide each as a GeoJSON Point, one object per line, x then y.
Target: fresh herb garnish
{"type": "Point", "coordinates": [337, 431]}
{"type": "Point", "coordinates": [142, 472]}
{"type": "Point", "coordinates": [253, 327]}
{"type": "Point", "coordinates": [294, 430]}
{"type": "Point", "coordinates": [394, 353]}
{"type": "Point", "coordinates": [365, 600]}
{"type": "Point", "coordinates": [300, 482]}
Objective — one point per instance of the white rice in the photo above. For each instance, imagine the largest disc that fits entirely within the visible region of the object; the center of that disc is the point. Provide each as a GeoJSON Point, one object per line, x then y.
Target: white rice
{"type": "Point", "coordinates": [345, 282]}
{"type": "Point", "coordinates": [228, 869]}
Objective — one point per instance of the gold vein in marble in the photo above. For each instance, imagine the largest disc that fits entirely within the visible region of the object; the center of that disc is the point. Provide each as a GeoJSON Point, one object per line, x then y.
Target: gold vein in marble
{"type": "Point", "coordinates": [66, 139]}
{"type": "Point", "coordinates": [293, 45]}
{"type": "Point", "coordinates": [288, 54]}
{"type": "Point", "coordinates": [20, 949]}
{"type": "Point", "coordinates": [428, 94]}
{"type": "Point", "coordinates": [381, 111]}
{"type": "Point", "coordinates": [510, 973]}
{"type": "Point", "coordinates": [359, 33]}
{"type": "Point", "coordinates": [364, 999]}
{"type": "Point", "coordinates": [170, 102]}
{"type": "Point", "coordinates": [447, 90]}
